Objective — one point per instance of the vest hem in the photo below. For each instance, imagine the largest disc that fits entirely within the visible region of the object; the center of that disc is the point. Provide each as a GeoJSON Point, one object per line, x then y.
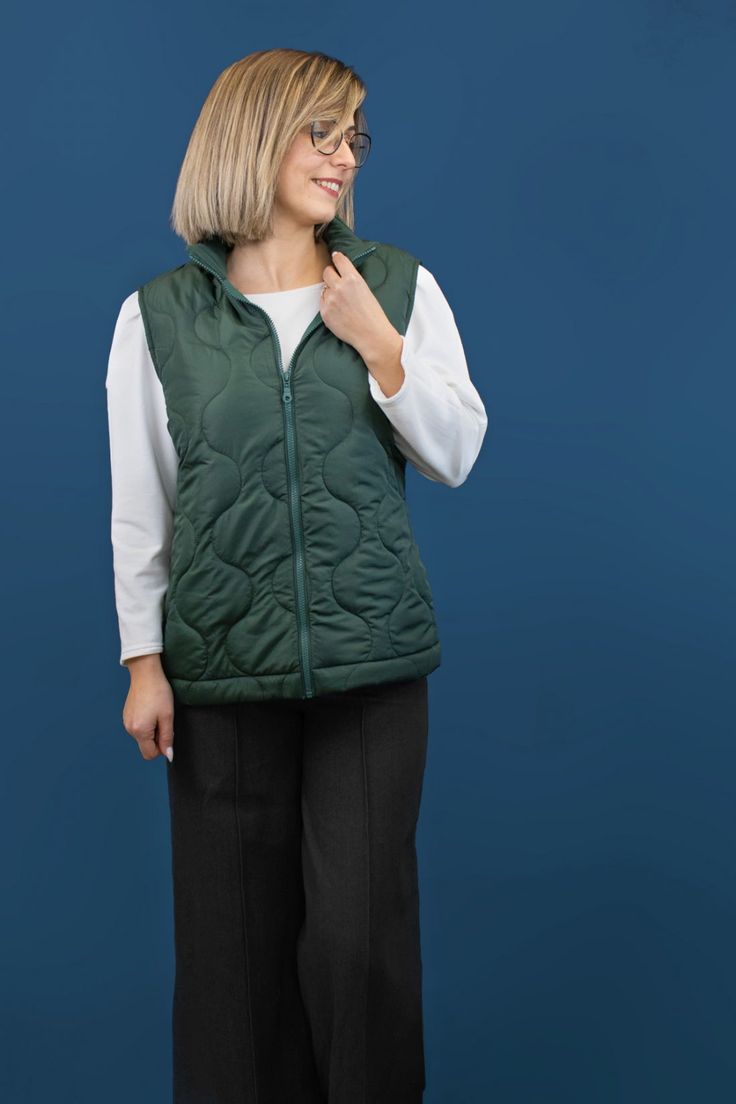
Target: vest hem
{"type": "Point", "coordinates": [327, 680]}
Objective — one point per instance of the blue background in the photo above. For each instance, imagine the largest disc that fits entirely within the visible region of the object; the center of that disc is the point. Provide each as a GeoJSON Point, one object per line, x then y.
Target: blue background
{"type": "Point", "coordinates": [566, 170]}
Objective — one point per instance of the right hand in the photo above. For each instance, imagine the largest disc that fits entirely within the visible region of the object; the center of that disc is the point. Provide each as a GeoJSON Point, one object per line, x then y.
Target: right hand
{"type": "Point", "coordinates": [148, 713]}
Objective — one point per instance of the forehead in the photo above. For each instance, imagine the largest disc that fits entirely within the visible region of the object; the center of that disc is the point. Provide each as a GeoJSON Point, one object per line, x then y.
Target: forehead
{"type": "Point", "coordinates": [347, 124]}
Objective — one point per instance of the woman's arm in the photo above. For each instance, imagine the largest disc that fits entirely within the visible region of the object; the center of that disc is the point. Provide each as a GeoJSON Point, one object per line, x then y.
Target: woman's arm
{"type": "Point", "coordinates": [438, 418]}
{"type": "Point", "coordinates": [143, 464]}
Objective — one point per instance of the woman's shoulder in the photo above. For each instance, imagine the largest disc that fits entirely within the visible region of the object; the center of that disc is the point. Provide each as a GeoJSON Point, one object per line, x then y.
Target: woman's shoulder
{"type": "Point", "coordinates": [425, 277]}
{"type": "Point", "coordinates": [170, 278]}
{"type": "Point", "coordinates": [130, 307]}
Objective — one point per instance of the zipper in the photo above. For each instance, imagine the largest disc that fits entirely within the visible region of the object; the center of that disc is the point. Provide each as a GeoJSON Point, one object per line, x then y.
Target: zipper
{"type": "Point", "coordinates": [292, 472]}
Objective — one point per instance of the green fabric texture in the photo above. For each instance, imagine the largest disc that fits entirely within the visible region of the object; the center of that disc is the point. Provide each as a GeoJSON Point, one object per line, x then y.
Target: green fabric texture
{"type": "Point", "coordinates": [294, 570]}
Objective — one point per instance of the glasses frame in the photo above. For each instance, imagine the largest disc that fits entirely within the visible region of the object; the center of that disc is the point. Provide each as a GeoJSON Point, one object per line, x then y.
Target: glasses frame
{"type": "Point", "coordinates": [328, 153]}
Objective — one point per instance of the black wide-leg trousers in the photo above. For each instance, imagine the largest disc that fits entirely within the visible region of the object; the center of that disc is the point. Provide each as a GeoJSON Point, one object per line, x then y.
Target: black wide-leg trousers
{"type": "Point", "coordinates": [296, 902]}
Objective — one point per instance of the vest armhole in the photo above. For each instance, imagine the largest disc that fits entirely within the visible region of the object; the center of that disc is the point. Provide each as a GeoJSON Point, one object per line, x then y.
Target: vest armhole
{"type": "Point", "coordinates": [147, 329]}
{"type": "Point", "coordinates": [414, 272]}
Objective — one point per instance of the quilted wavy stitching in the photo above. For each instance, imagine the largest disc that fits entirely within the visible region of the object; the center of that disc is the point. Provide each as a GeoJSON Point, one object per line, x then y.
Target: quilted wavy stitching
{"type": "Point", "coordinates": [221, 380]}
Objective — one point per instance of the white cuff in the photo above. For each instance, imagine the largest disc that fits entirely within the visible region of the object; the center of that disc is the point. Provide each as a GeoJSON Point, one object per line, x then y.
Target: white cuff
{"type": "Point", "coordinates": [141, 650]}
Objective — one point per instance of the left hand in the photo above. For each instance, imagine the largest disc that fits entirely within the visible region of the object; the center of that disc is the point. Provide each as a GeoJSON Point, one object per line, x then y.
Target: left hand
{"type": "Point", "coordinates": [350, 309]}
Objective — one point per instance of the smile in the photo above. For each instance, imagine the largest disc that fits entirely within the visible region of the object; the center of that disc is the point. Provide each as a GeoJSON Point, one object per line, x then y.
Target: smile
{"type": "Point", "coordinates": [333, 189]}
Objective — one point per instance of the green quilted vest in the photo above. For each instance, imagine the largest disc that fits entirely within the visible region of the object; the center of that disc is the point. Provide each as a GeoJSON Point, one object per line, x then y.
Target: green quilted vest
{"type": "Point", "coordinates": [294, 571]}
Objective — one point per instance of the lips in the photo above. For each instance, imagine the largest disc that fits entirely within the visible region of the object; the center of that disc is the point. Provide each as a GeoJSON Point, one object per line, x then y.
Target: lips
{"type": "Point", "coordinates": [330, 191]}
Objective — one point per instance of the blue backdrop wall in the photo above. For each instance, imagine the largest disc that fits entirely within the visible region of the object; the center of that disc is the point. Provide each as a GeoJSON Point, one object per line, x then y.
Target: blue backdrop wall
{"type": "Point", "coordinates": [566, 171]}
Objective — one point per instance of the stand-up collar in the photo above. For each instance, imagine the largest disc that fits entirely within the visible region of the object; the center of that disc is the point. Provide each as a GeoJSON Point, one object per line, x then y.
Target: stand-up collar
{"type": "Point", "coordinates": [212, 254]}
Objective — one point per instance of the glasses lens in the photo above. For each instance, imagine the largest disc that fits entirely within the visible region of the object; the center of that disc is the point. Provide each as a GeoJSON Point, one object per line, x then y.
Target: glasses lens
{"type": "Point", "coordinates": [360, 145]}
{"type": "Point", "coordinates": [326, 135]}
{"type": "Point", "coordinates": [326, 138]}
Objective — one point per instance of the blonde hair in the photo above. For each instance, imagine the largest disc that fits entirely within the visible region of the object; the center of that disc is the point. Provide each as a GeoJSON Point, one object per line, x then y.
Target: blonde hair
{"type": "Point", "coordinates": [253, 112]}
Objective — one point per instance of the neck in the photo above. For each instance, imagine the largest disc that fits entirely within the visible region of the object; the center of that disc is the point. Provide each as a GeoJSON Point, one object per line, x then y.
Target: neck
{"type": "Point", "coordinates": [284, 261]}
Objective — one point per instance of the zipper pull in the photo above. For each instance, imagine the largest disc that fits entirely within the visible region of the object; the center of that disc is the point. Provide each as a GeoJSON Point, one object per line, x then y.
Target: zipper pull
{"type": "Point", "coordinates": [286, 389]}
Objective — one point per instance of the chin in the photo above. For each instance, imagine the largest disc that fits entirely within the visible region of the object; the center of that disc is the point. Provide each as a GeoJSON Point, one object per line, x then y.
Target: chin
{"type": "Point", "coordinates": [326, 212]}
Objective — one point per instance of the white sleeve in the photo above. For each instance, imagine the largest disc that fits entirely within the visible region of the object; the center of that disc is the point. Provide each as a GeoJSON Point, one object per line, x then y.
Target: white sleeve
{"type": "Point", "coordinates": [143, 463]}
{"type": "Point", "coordinates": [438, 418]}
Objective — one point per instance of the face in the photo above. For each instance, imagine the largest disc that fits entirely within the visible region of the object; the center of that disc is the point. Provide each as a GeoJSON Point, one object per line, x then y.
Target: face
{"type": "Point", "coordinates": [298, 194]}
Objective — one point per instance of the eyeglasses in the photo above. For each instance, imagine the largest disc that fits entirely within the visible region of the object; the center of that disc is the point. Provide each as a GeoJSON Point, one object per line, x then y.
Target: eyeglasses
{"type": "Point", "coordinates": [326, 138]}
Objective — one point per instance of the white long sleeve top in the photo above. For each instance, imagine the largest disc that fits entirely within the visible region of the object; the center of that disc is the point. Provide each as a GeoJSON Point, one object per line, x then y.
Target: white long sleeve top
{"type": "Point", "coordinates": [437, 417]}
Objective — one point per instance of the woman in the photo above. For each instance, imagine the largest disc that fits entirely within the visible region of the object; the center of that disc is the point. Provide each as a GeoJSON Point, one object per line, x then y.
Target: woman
{"type": "Point", "coordinates": [275, 615]}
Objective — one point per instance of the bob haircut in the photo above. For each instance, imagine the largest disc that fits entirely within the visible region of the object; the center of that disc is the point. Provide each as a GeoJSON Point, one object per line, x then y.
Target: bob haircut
{"type": "Point", "coordinates": [253, 112]}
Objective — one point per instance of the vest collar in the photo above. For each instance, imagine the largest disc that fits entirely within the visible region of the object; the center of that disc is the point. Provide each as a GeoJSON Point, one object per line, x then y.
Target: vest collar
{"type": "Point", "coordinates": [212, 253]}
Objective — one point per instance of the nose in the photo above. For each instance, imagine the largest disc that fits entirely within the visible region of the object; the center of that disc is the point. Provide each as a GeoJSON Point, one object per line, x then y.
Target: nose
{"type": "Point", "coordinates": [340, 152]}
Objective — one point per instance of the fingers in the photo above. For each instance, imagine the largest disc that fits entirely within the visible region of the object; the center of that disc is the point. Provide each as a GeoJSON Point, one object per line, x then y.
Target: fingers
{"type": "Point", "coordinates": [336, 272]}
{"type": "Point", "coordinates": [147, 744]}
{"type": "Point", "coordinates": [330, 278]}
{"type": "Point", "coordinates": [156, 738]}
{"type": "Point", "coordinates": [148, 715]}
{"type": "Point", "coordinates": [166, 735]}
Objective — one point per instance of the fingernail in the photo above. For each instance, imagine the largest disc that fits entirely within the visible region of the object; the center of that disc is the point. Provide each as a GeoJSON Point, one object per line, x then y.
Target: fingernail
{"type": "Point", "coordinates": [169, 753]}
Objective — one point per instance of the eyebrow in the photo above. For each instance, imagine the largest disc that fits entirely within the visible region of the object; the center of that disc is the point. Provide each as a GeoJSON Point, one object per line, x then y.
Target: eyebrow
{"type": "Point", "coordinates": [348, 129]}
